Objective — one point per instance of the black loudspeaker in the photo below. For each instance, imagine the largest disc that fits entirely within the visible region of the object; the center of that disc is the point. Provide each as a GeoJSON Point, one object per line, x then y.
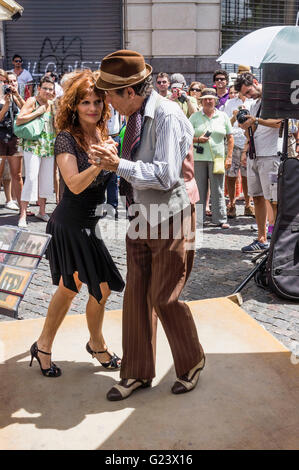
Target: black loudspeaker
{"type": "Point", "coordinates": [280, 98]}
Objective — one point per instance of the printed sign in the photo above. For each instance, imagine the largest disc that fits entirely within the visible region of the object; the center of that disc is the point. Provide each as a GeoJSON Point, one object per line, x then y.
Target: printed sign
{"type": "Point", "coordinates": [20, 254]}
{"type": "Point", "coordinates": [13, 280]}
{"type": "Point", "coordinates": [280, 97]}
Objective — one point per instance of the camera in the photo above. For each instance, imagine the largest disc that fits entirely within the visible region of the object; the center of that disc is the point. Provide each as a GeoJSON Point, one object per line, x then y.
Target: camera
{"type": "Point", "coordinates": [199, 149]}
{"type": "Point", "coordinates": [6, 90]}
{"type": "Point", "coordinates": [182, 98]}
{"type": "Point", "coordinates": [242, 116]}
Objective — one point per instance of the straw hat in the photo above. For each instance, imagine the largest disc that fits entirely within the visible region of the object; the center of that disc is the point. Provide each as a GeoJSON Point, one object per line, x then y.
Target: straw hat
{"type": "Point", "coordinates": [121, 69]}
{"type": "Point", "coordinates": [243, 69]}
{"type": "Point", "coordinates": [208, 93]}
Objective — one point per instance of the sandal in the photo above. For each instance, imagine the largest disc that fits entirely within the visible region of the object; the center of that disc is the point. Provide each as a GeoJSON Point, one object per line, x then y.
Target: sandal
{"type": "Point", "coordinates": [52, 371]}
{"type": "Point", "coordinates": [114, 362]}
{"type": "Point", "coordinates": [208, 213]}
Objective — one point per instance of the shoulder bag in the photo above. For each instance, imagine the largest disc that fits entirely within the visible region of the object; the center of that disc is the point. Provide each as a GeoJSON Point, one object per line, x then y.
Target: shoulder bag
{"type": "Point", "coordinates": [218, 165]}
{"type": "Point", "coordinates": [30, 130]}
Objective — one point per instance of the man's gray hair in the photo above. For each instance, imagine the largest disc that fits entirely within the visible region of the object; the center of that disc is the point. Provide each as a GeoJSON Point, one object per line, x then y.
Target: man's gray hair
{"type": "Point", "coordinates": [142, 89]}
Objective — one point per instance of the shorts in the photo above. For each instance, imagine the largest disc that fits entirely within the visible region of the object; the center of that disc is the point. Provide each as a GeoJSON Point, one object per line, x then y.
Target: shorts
{"type": "Point", "coordinates": [262, 173]}
{"type": "Point", "coordinates": [7, 149]}
{"type": "Point", "coordinates": [236, 164]}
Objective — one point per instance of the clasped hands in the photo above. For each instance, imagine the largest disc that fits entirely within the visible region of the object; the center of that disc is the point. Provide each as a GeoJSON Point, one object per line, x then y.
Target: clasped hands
{"type": "Point", "coordinates": [104, 155]}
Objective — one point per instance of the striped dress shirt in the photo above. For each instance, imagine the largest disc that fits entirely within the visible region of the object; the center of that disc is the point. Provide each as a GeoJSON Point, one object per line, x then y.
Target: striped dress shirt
{"type": "Point", "coordinates": [174, 135]}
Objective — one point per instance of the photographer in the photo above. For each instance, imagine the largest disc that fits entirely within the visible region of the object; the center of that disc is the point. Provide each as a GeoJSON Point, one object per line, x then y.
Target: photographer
{"type": "Point", "coordinates": [235, 108]}
{"type": "Point", "coordinates": [211, 128]}
{"type": "Point", "coordinates": [188, 104]}
{"type": "Point", "coordinates": [263, 161]}
{"type": "Point", "coordinates": [9, 108]}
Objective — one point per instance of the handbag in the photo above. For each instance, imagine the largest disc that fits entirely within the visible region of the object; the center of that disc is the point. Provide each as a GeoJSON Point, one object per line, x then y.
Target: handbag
{"type": "Point", "coordinates": [30, 130]}
{"type": "Point", "coordinates": [218, 166]}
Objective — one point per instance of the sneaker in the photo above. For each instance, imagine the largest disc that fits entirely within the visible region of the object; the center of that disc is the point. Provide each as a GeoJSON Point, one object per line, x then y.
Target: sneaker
{"type": "Point", "coordinates": [231, 212]}
{"type": "Point", "coordinates": [44, 217]}
{"type": "Point", "coordinates": [22, 223]}
{"type": "Point", "coordinates": [249, 211]}
{"type": "Point", "coordinates": [255, 247]}
{"type": "Point", "coordinates": [254, 228]}
{"type": "Point", "coordinates": [12, 205]}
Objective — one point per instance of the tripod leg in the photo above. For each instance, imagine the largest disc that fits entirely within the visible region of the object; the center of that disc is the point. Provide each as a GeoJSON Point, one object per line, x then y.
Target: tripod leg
{"type": "Point", "coordinates": [250, 275]}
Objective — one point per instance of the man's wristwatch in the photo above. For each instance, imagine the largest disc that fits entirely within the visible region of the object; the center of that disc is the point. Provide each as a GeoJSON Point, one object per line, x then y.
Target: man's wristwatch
{"type": "Point", "coordinates": [256, 122]}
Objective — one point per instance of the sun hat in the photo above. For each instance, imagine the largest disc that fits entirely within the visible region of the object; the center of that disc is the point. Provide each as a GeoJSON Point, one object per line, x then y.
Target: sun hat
{"type": "Point", "coordinates": [243, 69]}
{"type": "Point", "coordinates": [121, 69]}
{"type": "Point", "coordinates": [208, 93]}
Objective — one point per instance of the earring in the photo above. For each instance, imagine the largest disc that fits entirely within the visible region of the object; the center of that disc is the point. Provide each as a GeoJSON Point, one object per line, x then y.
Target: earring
{"type": "Point", "coordinates": [74, 117]}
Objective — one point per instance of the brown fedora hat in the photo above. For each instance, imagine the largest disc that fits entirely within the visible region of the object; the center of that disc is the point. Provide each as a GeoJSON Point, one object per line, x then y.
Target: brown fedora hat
{"type": "Point", "coordinates": [122, 69]}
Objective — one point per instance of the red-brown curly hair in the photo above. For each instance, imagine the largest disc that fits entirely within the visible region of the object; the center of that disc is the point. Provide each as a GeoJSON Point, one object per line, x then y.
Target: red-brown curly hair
{"type": "Point", "coordinates": [75, 90]}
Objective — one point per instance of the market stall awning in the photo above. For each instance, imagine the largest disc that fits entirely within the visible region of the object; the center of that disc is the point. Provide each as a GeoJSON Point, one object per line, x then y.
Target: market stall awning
{"type": "Point", "coordinates": [10, 10]}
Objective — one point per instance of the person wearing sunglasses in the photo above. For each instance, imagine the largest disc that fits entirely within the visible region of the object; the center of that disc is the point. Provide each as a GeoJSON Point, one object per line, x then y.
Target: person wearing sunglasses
{"type": "Point", "coordinates": [24, 77]}
{"type": "Point", "coordinates": [162, 84]}
{"type": "Point", "coordinates": [195, 90]}
{"type": "Point", "coordinates": [220, 79]}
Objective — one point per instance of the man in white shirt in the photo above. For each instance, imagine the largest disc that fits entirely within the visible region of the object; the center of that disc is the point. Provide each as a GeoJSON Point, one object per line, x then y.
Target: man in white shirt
{"type": "Point", "coordinates": [262, 168]}
{"type": "Point", "coordinates": [231, 108]}
{"type": "Point", "coordinates": [23, 75]}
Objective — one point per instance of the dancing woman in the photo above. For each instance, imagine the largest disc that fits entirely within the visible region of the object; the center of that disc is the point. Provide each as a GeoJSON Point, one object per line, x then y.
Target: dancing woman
{"type": "Point", "coordinates": [75, 253]}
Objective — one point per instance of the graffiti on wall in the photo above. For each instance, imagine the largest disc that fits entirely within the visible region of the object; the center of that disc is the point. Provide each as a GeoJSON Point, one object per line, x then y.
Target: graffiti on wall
{"type": "Point", "coordinates": [61, 57]}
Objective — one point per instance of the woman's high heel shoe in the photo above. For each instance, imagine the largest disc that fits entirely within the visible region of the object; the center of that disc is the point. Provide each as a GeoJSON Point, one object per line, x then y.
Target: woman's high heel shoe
{"type": "Point", "coordinates": [53, 371]}
{"type": "Point", "coordinates": [114, 362]}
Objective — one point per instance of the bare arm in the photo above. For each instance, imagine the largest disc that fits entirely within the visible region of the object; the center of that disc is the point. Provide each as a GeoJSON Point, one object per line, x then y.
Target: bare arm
{"type": "Point", "coordinates": [75, 181]}
{"type": "Point", "coordinates": [191, 107]}
{"type": "Point", "coordinates": [230, 146]}
{"type": "Point", "coordinates": [274, 123]}
{"type": "Point", "coordinates": [18, 100]}
{"type": "Point", "coordinates": [28, 113]}
{"type": "Point", "coordinates": [5, 107]}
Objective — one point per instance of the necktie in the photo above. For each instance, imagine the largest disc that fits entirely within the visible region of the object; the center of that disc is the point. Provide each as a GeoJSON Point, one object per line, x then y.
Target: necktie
{"type": "Point", "coordinates": [130, 145]}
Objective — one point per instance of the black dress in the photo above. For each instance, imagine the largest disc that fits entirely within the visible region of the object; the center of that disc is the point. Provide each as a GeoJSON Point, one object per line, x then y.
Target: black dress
{"type": "Point", "coordinates": [74, 245]}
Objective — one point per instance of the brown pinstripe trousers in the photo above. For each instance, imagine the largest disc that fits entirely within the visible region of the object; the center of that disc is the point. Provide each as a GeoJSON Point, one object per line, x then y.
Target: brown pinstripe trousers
{"type": "Point", "coordinates": [157, 271]}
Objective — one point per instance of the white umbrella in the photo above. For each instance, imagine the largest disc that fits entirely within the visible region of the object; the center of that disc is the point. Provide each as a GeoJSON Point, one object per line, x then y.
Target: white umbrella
{"type": "Point", "coordinates": [10, 10]}
{"type": "Point", "coordinates": [275, 44]}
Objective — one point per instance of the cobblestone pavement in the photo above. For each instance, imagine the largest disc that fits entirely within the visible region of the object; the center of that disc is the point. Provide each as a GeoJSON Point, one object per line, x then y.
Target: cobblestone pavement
{"type": "Point", "coordinates": [219, 268]}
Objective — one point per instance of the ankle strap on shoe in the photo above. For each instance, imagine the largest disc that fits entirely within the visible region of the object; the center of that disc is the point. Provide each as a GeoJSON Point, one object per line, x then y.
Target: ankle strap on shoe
{"type": "Point", "coordinates": [43, 352]}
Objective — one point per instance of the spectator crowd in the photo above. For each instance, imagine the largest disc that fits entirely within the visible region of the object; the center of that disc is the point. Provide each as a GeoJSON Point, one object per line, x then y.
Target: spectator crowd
{"type": "Point", "coordinates": [222, 113]}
